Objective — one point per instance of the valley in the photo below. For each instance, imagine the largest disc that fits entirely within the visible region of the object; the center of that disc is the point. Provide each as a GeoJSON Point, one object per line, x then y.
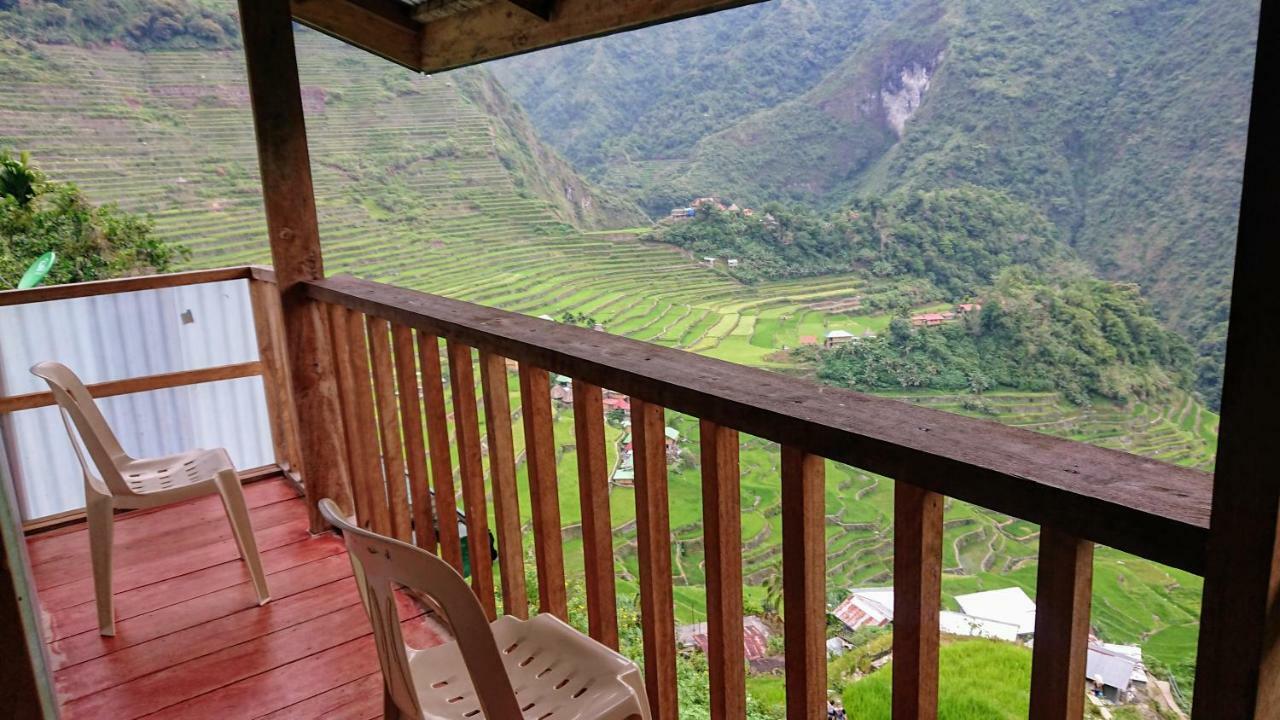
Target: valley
{"type": "Point", "coordinates": [441, 184]}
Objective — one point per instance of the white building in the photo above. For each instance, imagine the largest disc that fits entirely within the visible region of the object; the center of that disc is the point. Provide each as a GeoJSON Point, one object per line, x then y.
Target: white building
{"type": "Point", "coordinates": [954, 623]}
{"type": "Point", "coordinates": [1008, 605]}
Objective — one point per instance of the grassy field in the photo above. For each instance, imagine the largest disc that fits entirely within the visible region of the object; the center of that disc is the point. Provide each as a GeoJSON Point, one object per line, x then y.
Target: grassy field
{"type": "Point", "coordinates": [419, 185]}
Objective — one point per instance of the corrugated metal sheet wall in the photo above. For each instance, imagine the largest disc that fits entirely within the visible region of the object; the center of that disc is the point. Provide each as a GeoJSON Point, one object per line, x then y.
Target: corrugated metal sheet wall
{"type": "Point", "coordinates": [112, 337]}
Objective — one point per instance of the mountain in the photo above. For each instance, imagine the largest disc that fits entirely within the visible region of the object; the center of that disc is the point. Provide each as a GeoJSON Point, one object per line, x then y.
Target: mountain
{"type": "Point", "coordinates": [1123, 122]}
{"type": "Point", "coordinates": [415, 161]}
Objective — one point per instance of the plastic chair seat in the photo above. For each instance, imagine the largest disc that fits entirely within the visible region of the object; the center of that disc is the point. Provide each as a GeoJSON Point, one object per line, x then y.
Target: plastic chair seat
{"type": "Point", "coordinates": [153, 475]}
{"type": "Point", "coordinates": [557, 674]}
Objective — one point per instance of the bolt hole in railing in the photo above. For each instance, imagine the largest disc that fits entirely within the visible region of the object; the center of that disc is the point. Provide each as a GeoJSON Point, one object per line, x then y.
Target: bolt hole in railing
{"type": "Point", "coordinates": [414, 448]}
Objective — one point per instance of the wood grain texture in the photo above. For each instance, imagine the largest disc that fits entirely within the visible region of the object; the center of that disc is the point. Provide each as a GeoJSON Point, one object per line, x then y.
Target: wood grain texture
{"type": "Point", "coordinates": [1138, 505]}
{"type": "Point", "coordinates": [284, 162]}
{"type": "Point", "coordinates": [384, 388]}
{"type": "Point", "coordinates": [466, 424]}
{"type": "Point", "coordinates": [498, 29]}
{"type": "Point", "coordinates": [722, 532]}
{"type": "Point", "coordinates": [1064, 591]}
{"type": "Point", "coordinates": [804, 578]}
{"type": "Point", "coordinates": [94, 288]}
{"type": "Point", "coordinates": [502, 470]}
{"type": "Point", "coordinates": [268, 325]}
{"type": "Point", "coordinates": [1238, 662]}
{"type": "Point", "coordinates": [446, 493]}
{"type": "Point", "coordinates": [917, 599]}
{"type": "Point", "coordinates": [597, 530]}
{"type": "Point", "coordinates": [653, 540]}
{"type": "Point", "coordinates": [356, 456]}
{"type": "Point", "coordinates": [415, 452]}
{"type": "Point", "coordinates": [373, 26]}
{"type": "Point", "coordinates": [111, 388]}
{"type": "Point", "coordinates": [544, 490]}
{"type": "Point", "coordinates": [368, 474]}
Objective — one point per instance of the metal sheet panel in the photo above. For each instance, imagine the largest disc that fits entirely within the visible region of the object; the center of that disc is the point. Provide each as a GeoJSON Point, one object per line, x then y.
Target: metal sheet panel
{"type": "Point", "coordinates": [125, 335]}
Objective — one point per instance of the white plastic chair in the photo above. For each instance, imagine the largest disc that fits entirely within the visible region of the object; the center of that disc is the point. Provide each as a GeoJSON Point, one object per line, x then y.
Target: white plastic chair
{"type": "Point", "coordinates": [538, 669]}
{"type": "Point", "coordinates": [126, 482]}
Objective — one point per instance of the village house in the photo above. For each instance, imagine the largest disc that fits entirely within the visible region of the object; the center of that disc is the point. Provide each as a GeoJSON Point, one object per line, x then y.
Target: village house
{"type": "Point", "coordinates": [732, 262]}
{"type": "Point", "coordinates": [963, 308]}
{"type": "Point", "coordinates": [1008, 605]}
{"type": "Point", "coordinates": [808, 340]}
{"type": "Point", "coordinates": [932, 319]}
{"type": "Point", "coordinates": [866, 607]}
{"type": "Point", "coordinates": [1115, 672]}
{"type": "Point", "coordinates": [755, 637]}
{"type": "Point", "coordinates": [683, 213]}
{"type": "Point", "coordinates": [838, 337]}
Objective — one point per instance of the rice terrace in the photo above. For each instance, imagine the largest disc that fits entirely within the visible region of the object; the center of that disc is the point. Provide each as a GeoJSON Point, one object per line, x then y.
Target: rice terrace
{"type": "Point", "coordinates": [438, 184]}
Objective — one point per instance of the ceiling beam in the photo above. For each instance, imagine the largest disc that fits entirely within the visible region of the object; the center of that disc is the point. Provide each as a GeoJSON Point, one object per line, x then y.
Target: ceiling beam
{"type": "Point", "coordinates": [430, 10]}
{"type": "Point", "coordinates": [383, 27]}
{"type": "Point", "coordinates": [540, 8]}
{"type": "Point", "coordinates": [500, 29]}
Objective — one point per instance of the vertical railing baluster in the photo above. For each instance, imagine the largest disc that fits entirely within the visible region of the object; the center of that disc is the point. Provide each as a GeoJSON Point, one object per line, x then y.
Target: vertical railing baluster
{"type": "Point", "coordinates": [357, 411]}
{"type": "Point", "coordinates": [917, 597]}
{"type": "Point", "coordinates": [466, 424]}
{"type": "Point", "coordinates": [804, 577]}
{"type": "Point", "coordinates": [722, 544]}
{"type": "Point", "coordinates": [502, 470]}
{"type": "Point", "coordinates": [424, 534]}
{"type": "Point", "coordinates": [438, 443]}
{"type": "Point", "coordinates": [653, 537]}
{"type": "Point", "coordinates": [597, 534]}
{"type": "Point", "coordinates": [384, 386]}
{"type": "Point", "coordinates": [1064, 590]}
{"type": "Point", "coordinates": [544, 493]}
{"type": "Point", "coordinates": [276, 384]}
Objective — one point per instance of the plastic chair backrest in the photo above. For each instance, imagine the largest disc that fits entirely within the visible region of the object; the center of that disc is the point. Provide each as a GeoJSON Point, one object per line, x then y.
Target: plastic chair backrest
{"type": "Point", "coordinates": [378, 562]}
{"type": "Point", "coordinates": [86, 427]}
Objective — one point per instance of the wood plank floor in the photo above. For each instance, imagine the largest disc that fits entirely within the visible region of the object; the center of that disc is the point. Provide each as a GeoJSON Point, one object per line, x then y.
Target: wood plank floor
{"type": "Point", "coordinates": [191, 641]}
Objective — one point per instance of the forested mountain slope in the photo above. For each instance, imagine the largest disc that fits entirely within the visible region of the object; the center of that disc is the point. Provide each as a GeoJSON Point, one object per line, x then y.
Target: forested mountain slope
{"type": "Point", "coordinates": [1123, 122]}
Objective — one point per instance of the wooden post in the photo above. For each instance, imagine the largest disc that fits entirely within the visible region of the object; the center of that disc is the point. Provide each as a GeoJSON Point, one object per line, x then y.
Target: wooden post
{"type": "Point", "coordinates": [1238, 663]}
{"type": "Point", "coordinates": [544, 493]}
{"type": "Point", "coordinates": [804, 581]}
{"type": "Point", "coordinates": [276, 96]}
{"type": "Point", "coordinates": [275, 372]}
{"type": "Point", "coordinates": [917, 598]}
{"type": "Point", "coordinates": [597, 528]}
{"type": "Point", "coordinates": [722, 530]}
{"type": "Point", "coordinates": [653, 544]}
{"type": "Point", "coordinates": [1064, 589]}
{"type": "Point", "coordinates": [26, 687]}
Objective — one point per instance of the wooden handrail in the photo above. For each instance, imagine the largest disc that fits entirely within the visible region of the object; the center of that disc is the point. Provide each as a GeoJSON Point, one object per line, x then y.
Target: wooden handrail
{"type": "Point", "coordinates": [162, 381]}
{"type": "Point", "coordinates": [132, 284]}
{"type": "Point", "coordinates": [1142, 506]}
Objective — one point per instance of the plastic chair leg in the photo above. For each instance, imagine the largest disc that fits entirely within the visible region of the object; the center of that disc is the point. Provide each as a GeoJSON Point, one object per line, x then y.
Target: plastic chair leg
{"type": "Point", "coordinates": [101, 534]}
{"type": "Point", "coordinates": [232, 494]}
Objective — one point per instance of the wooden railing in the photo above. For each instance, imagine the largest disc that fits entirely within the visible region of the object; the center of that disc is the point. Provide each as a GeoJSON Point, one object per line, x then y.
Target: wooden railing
{"type": "Point", "coordinates": [387, 346]}
{"type": "Point", "coordinates": [270, 365]}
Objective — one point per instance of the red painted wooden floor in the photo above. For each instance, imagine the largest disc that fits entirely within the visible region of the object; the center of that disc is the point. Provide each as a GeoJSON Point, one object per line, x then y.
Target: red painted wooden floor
{"type": "Point", "coordinates": [191, 641]}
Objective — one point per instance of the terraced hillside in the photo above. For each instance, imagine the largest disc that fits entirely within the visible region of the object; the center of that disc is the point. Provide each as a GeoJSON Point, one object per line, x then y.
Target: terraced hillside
{"type": "Point", "coordinates": [437, 184]}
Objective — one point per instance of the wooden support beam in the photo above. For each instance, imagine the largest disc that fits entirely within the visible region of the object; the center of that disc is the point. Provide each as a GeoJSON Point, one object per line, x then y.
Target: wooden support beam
{"type": "Point", "coordinates": [502, 471]}
{"type": "Point", "coordinates": [804, 579]}
{"type": "Point", "coordinates": [541, 9]}
{"type": "Point", "coordinates": [94, 288]}
{"type": "Point", "coordinates": [597, 531]}
{"type": "Point", "coordinates": [26, 687]}
{"type": "Point", "coordinates": [544, 492]}
{"type": "Point", "coordinates": [1238, 663]}
{"type": "Point", "coordinates": [722, 533]}
{"type": "Point", "coordinates": [276, 96]}
{"type": "Point", "coordinates": [1064, 591]}
{"type": "Point", "coordinates": [497, 29]}
{"type": "Point", "coordinates": [917, 598]}
{"type": "Point", "coordinates": [382, 27]}
{"type": "Point", "coordinates": [653, 540]}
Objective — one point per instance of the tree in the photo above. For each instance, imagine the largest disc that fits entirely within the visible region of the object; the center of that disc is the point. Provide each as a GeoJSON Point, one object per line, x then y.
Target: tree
{"type": "Point", "coordinates": [92, 242]}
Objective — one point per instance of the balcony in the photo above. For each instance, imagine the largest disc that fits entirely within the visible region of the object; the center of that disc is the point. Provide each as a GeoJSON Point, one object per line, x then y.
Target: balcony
{"type": "Point", "coordinates": [440, 400]}
{"type": "Point", "coordinates": [354, 394]}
